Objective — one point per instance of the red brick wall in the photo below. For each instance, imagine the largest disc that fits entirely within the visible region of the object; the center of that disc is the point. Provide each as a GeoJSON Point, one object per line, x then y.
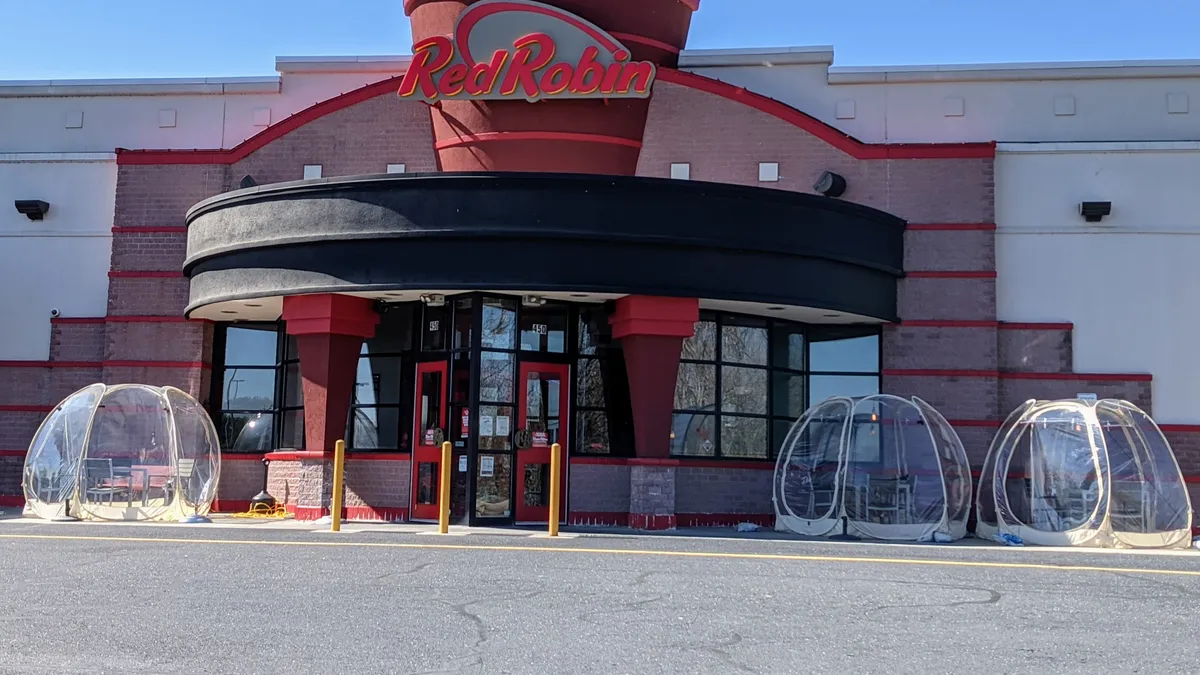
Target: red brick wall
{"type": "Point", "coordinates": [597, 488]}
{"type": "Point", "coordinates": [720, 491]}
{"type": "Point", "coordinates": [77, 341]}
{"type": "Point", "coordinates": [241, 479]}
{"type": "Point", "coordinates": [381, 484]}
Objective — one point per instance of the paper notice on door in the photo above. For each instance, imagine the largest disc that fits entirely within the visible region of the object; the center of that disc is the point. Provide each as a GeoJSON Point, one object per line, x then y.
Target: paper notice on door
{"type": "Point", "coordinates": [502, 426]}
{"type": "Point", "coordinates": [462, 464]}
{"type": "Point", "coordinates": [487, 425]}
{"type": "Point", "coordinates": [487, 466]}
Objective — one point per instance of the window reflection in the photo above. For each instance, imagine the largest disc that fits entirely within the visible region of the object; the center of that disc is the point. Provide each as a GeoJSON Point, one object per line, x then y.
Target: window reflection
{"type": "Point", "coordinates": [744, 341]}
{"type": "Point", "coordinates": [847, 349]}
{"type": "Point", "coordinates": [249, 389]}
{"type": "Point", "coordinates": [499, 323]}
{"type": "Point", "coordinates": [702, 346]}
{"type": "Point", "coordinates": [251, 346]}
{"type": "Point", "coordinates": [822, 387]}
{"type": "Point", "coordinates": [496, 377]}
{"type": "Point", "coordinates": [544, 329]}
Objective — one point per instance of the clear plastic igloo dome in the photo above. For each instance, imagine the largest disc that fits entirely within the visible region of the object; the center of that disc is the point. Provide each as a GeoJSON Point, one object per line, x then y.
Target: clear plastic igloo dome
{"type": "Point", "coordinates": [123, 452]}
{"type": "Point", "coordinates": [1078, 472]}
{"type": "Point", "coordinates": [888, 467]}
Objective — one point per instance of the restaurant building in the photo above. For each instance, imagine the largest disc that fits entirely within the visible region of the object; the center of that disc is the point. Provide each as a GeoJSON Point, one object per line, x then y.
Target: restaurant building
{"type": "Point", "coordinates": [556, 224]}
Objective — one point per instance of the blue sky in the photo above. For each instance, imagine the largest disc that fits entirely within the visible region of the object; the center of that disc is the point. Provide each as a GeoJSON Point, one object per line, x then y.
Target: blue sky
{"type": "Point", "coordinates": [62, 39]}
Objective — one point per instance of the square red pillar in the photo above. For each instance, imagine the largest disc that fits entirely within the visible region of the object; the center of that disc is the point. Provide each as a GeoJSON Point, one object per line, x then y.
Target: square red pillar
{"type": "Point", "coordinates": [652, 330]}
{"type": "Point", "coordinates": [329, 331]}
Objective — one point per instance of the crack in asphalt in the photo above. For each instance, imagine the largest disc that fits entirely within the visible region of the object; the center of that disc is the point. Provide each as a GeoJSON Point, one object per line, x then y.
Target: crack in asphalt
{"type": "Point", "coordinates": [623, 608]}
{"type": "Point", "coordinates": [993, 598]}
{"type": "Point", "coordinates": [719, 650]}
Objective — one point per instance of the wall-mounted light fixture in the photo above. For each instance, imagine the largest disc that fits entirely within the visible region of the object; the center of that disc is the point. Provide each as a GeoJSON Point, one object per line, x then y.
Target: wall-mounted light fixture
{"type": "Point", "coordinates": [830, 184]}
{"type": "Point", "coordinates": [434, 300]}
{"type": "Point", "coordinates": [1094, 212]}
{"type": "Point", "coordinates": [533, 301]}
{"type": "Point", "coordinates": [33, 209]}
{"type": "Point", "coordinates": [247, 182]}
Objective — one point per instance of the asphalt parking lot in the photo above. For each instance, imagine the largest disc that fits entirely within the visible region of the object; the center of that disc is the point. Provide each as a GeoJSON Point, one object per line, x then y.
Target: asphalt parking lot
{"type": "Point", "coordinates": [187, 599]}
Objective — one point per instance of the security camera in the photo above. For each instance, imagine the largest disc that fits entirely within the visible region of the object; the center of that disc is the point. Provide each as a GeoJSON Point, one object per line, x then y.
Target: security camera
{"type": "Point", "coordinates": [54, 312]}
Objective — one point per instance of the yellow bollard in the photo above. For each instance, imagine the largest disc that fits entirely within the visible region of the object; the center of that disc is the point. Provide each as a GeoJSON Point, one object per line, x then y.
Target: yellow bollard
{"type": "Point", "coordinates": [444, 489]}
{"type": "Point", "coordinates": [339, 467]}
{"type": "Point", "coordinates": [555, 486]}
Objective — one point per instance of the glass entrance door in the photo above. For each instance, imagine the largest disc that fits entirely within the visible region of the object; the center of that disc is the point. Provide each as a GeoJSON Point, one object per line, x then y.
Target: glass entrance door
{"type": "Point", "coordinates": [542, 415]}
{"type": "Point", "coordinates": [428, 434]}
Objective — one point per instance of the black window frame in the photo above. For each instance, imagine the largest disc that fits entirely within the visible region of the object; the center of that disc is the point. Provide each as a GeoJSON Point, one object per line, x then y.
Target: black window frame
{"type": "Point", "coordinates": [777, 424]}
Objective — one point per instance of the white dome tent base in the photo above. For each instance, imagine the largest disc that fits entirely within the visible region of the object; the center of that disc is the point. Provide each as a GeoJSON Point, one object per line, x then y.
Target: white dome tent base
{"type": "Point", "coordinates": [875, 467]}
{"type": "Point", "coordinates": [123, 452]}
{"type": "Point", "coordinates": [1076, 472]}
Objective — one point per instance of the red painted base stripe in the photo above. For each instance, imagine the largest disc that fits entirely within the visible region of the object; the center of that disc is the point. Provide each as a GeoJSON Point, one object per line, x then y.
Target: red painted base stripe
{"type": "Point", "coordinates": [598, 518]}
{"type": "Point", "coordinates": [946, 274]}
{"type": "Point", "coordinates": [1007, 325]}
{"type": "Point", "coordinates": [12, 500]}
{"type": "Point", "coordinates": [231, 506]}
{"type": "Point", "coordinates": [556, 136]}
{"type": "Point", "coordinates": [724, 519]}
{"type": "Point", "coordinates": [388, 514]}
{"type": "Point", "coordinates": [647, 521]}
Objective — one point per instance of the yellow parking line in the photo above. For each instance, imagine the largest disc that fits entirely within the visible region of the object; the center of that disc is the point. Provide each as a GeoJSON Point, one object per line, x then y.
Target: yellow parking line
{"type": "Point", "coordinates": [621, 551]}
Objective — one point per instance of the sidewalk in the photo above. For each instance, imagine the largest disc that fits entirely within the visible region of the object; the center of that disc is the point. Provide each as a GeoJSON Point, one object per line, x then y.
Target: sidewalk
{"type": "Point", "coordinates": [12, 516]}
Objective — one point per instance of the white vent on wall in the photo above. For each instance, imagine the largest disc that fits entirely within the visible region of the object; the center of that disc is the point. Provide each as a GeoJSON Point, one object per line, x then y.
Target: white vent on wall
{"type": "Point", "coordinates": [845, 110]}
{"type": "Point", "coordinates": [312, 171]}
{"type": "Point", "coordinates": [681, 171]}
{"type": "Point", "coordinates": [1064, 106]}
{"type": "Point", "coordinates": [954, 106]}
{"type": "Point", "coordinates": [166, 119]}
{"type": "Point", "coordinates": [395, 168]}
{"type": "Point", "coordinates": [262, 117]}
{"type": "Point", "coordinates": [768, 172]}
{"type": "Point", "coordinates": [74, 119]}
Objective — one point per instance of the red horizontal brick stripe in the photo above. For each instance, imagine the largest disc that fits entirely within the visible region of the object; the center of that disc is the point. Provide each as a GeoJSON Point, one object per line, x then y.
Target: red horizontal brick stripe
{"type": "Point", "coordinates": [556, 136]}
{"type": "Point", "coordinates": [1008, 325]}
{"type": "Point", "coordinates": [1091, 377]}
{"type": "Point", "coordinates": [107, 364]}
{"type": "Point", "coordinates": [352, 456]}
{"type": "Point", "coordinates": [242, 456]}
{"type": "Point", "coordinates": [680, 462]}
{"type": "Point", "coordinates": [10, 500]}
{"type": "Point", "coordinates": [163, 229]}
{"type": "Point", "coordinates": [12, 453]}
{"type": "Point", "coordinates": [945, 274]}
{"type": "Point", "coordinates": [153, 319]}
{"type": "Point", "coordinates": [937, 323]}
{"type": "Point", "coordinates": [144, 274]}
{"type": "Point", "coordinates": [26, 408]}
{"type": "Point", "coordinates": [297, 455]}
{"type": "Point", "coordinates": [1181, 428]}
{"type": "Point", "coordinates": [77, 319]}
{"type": "Point", "coordinates": [950, 227]}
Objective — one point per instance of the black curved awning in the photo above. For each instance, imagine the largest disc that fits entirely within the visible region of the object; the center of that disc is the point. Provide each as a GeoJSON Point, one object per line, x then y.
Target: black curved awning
{"type": "Point", "coordinates": [545, 232]}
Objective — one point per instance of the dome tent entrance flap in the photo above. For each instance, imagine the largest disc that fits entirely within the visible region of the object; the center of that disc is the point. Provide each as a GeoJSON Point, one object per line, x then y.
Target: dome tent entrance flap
{"type": "Point", "coordinates": [123, 452]}
{"type": "Point", "coordinates": [1077, 472]}
{"type": "Point", "coordinates": [888, 467]}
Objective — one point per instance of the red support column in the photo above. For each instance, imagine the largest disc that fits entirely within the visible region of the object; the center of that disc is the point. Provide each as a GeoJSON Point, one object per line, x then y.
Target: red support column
{"type": "Point", "coordinates": [652, 331]}
{"type": "Point", "coordinates": [329, 332]}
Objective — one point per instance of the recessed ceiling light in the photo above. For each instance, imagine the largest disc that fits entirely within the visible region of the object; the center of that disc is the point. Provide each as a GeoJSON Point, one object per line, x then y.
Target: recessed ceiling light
{"type": "Point", "coordinates": [394, 295]}
{"type": "Point", "coordinates": [228, 311]}
{"type": "Point", "coordinates": [253, 304]}
{"type": "Point", "coordinates": [776, 309]}
{"type": "Point", "coordinates": [579, 295]}
{"type": "Point", "coordinates": [831, 316]}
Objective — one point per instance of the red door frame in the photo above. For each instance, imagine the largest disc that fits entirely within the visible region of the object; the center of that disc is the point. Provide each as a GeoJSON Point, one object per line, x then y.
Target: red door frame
{"type": "Point", "coordinates": [422, 453]}
{"type": "Point", "coordinates": [526, 456]}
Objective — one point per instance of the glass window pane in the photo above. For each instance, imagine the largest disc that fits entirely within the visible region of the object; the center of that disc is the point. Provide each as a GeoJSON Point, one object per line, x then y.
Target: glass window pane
{"type": "Point", "coordinates": [822, 387]}
{"type": "Point", "coordinates": [544, 329]}
{"type": "Point", "coordinates": [496, 377]}
{"type": "Point", "coordinates": [589, 375]}
{"type": "Point", "coordinates": [493, 487]}
{"type": "Point", "coordinates": [251, 346]}
{"type": "Point", "coordinates": [248, 389]}
{"type": "Point", "coordinates": [843, 350]}
{"type": "Point", "coordinates": [744, 390]}
{"type": "Point", "coordinates": [693, 435]}
{"type": "Point", "coordinates": [787, 346]}
{"type": "Point", "coordinates": [394, 334]}
{"type": "Point", "coordinates": [496, 426]}
{"type": "Point", "coordinates": [291, 349]}
{"type": "Point", "coordinates": [779, 432]}
{"type": "Point", "coordinates": [788, 395]}
{"type": "Point", "coordinates": [744, 437]}
{"type": "Point", "coordinates": [744, 340]}
{"type": "Point", "coordinates": [543, 408]}
{"type": "Point", "coordinates": [378, 380]}
{"type": "Point", "coordinates": [463, 320]}
{"type": "Point", "coordinates": [429, 408]}
{"type": "Point", "coordinates": [293, 430]}
{"type": "Point", "coordinates": [247, 432]}
{"type": "Point", "coordinates": [594, 331]}
{"type": "Point", "coordinates": [696, 387]}
{"type": "Point", "coordinates": [293, 386]}
{"type": "Point", "coordinates": [376, 429]}
{"type": "Point", "coordinates": [702, 346]}
{"type": "Point", "coordinates": [434, 328]}
{"type": "Point", "coordinates": [499, 323]}
{"type": "Point", "coordinates": [592, 433]}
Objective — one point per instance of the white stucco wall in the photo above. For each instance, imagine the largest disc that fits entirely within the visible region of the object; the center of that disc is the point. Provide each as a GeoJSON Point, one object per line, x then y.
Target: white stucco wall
{"type": "Point", "coordinates": [1130, 284]}
{"type": "Point", "coordinates": [61, 262]}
